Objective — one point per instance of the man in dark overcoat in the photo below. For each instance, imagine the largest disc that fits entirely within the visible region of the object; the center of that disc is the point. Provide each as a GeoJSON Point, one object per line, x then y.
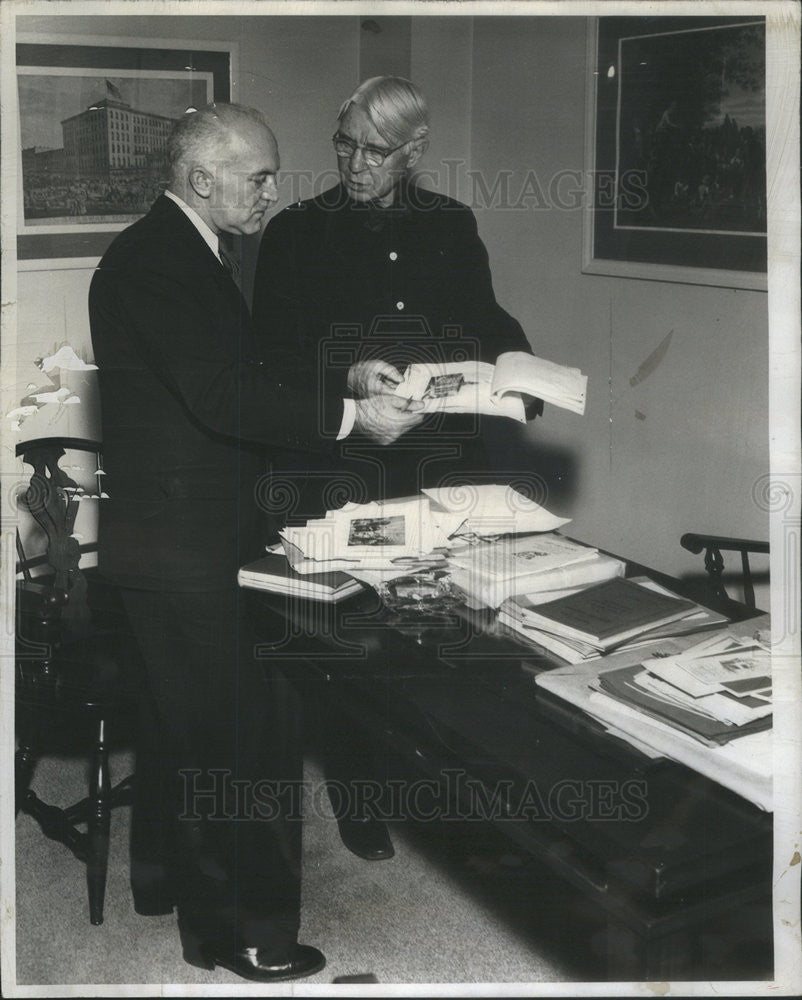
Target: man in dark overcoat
{"type": "Point", "coordinates": [188, 414]}
{"type": "Point", "coordinates": [381, 272]}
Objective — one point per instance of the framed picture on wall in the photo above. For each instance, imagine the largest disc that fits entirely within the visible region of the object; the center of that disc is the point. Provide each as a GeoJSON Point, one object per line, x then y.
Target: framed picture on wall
{"type": "Point", "coordinates": [93, 120]}
{"type": "Point", "coordinates": [676, 150]}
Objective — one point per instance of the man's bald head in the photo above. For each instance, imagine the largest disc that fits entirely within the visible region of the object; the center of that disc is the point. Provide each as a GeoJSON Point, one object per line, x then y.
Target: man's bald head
{"type": "Point", "coordinates": [223, 161]}
{"type": "Point", "coordinates": [213, 134]}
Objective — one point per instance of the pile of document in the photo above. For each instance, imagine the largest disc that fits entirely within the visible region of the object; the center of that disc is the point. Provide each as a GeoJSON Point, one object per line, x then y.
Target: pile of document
{"type": "Point", "coordinates": [417, 532]}
{"type": "Point", "coordinates": [391, 534]}
{"type": "Point", "coordinates": [715, 691]}
{"type": "Point", "coordinates": [491, 572]}
{"type": "Point", "coordinates": [616, 614]}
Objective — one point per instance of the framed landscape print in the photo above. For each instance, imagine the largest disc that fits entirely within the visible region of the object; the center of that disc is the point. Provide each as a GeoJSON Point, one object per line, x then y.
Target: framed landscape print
{"type": "Point", "coordinates": [93, 121]}
{"type": "Point", "coordinates": [676, 150]}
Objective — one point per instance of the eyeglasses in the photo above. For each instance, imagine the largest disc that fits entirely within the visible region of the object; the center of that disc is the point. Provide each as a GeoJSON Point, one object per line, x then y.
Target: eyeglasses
{"type": "Point", "coordinates": [374, 156]}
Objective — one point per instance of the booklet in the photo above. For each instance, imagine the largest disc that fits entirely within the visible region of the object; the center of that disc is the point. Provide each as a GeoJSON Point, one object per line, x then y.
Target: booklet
{"type": "Point", "coordinates": [609, 613]}
{"type": "Point", "coordinates": [273, 573]}
{"type": "Point", "coordinates": [498, 390]}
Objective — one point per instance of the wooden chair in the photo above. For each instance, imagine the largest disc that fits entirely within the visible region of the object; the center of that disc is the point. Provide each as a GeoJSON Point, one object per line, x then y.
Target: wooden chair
{"type": "Point", "coordinates": [76, 664]}
{"type": "Point", "coordinates": [713, 546]}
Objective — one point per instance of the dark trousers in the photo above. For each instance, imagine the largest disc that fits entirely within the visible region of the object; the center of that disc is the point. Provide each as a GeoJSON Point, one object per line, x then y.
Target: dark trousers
{"type": "Point", "coordinates": [216, 824]}
{"type": "Point", "coordinates": [355, 768]}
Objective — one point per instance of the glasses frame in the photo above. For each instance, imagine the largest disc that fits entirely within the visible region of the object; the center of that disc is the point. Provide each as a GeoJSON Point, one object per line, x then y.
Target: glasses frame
{"type": "Point", "coordinates": [366, 150]}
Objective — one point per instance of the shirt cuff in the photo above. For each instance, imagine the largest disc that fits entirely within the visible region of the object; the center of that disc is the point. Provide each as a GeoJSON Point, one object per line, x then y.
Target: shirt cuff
{"type": "Point", "coordinates": [349, 418]}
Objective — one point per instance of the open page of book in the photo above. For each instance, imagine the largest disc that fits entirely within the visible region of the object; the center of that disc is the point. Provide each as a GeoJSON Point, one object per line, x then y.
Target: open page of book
{"type": "Point", "coordinates": [519, 372]}
{"type": "Point", "coordinates": [458, 387]}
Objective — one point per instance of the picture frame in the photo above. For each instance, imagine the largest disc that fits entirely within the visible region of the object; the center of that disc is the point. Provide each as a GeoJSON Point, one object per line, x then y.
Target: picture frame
{"type": "Point", "coordinates": [675, 150]}
{"type": "Point", "coordinates": [92, 120]}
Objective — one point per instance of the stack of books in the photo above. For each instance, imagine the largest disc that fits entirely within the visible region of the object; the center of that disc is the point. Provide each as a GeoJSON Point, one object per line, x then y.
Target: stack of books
{"type": "Point", "coordinates": [616, 614]}
{"type": "Point", "coordinates": [491, 572]}
{"type": "Point", "coordinates": [715, 691]}
{"type": "Point", "coordinates": [273, 573]}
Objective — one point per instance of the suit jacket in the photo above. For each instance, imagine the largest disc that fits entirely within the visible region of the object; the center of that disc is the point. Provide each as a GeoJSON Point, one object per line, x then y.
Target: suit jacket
{"type": "Point", "coordinates": [341, 280]}
{"type": "Point", "coordinates": [188, 411]}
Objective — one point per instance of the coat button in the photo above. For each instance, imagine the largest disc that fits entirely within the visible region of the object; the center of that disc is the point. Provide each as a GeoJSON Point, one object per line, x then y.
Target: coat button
{"type": "Point", "coordinates": [393, 255]}
{"type": "Point", "coordinates": [399, 305]}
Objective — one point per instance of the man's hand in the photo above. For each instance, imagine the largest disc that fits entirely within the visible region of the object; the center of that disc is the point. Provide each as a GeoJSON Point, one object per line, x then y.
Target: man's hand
{"type": "Point", "coordinates": [386, 418]}
{"type": "Point", "coordinates": [372, 378]}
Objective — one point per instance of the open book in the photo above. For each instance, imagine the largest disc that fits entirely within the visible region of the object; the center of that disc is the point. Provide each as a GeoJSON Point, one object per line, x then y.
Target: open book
{"type": "Point", "coordinates": [479, 387]}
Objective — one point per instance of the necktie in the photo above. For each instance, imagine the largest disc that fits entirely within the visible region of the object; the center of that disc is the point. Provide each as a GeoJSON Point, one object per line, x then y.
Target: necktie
{"type": "Point", "coordinates": [229, 262]}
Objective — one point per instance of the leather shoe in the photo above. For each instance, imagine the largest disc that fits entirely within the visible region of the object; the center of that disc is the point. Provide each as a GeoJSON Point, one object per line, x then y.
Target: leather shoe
{"type": "Point", "coordinates": [257, 964]}
{"type": "Point", "coordinates": [367, 838]}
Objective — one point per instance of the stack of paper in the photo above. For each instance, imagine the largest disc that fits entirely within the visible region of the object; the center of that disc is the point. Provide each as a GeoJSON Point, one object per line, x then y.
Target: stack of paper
{"type": "Point", "coordinates": [368, 536]}
{"type": "Point", "coordinates": [617, 614]}
{"type": "Point", "coordinates": [490, 572]}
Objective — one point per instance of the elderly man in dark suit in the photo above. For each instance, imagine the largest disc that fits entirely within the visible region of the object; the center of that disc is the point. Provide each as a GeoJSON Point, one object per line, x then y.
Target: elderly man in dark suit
{"type": "Point", "coordinates": [380, 270]}
{"type": "Point", "coordinates": [187, 414]}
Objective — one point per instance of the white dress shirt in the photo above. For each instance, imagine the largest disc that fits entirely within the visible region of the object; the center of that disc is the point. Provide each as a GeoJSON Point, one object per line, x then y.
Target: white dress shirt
{"type": "Point", "coordinates": [209, 235]}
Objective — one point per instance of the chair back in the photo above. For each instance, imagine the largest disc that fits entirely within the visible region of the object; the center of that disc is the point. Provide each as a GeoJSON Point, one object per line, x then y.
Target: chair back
{"type": "Point", "coordinates": [52, 499]}
{"type": "Point", "coordinates": [713, 546]}
{"type": "Point", "coordinates": [76, 660]}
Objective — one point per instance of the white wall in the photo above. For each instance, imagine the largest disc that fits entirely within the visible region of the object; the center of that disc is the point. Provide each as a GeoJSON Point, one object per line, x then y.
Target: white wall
{"type": "Point", "coordinates": [441, 65]}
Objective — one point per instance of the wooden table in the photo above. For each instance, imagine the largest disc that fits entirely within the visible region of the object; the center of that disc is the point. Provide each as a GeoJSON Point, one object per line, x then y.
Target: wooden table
{"type": "Point", "coordinates": [660, 849]}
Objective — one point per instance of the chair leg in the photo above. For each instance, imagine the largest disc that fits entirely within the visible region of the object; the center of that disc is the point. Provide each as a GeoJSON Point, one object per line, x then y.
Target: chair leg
{"type": "Point", "coordinates": [98, 827]}
{"type": "Point", "coordinates": [24, 764]}
{"type": "Point", "coordinates": [28, 728]}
